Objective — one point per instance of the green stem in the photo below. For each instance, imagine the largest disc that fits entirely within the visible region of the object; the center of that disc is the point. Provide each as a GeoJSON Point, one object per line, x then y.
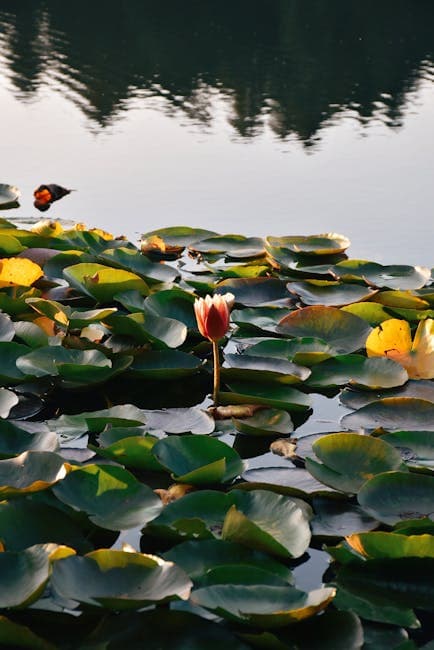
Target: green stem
{"type": "Point", "coordinates": [216, 359]}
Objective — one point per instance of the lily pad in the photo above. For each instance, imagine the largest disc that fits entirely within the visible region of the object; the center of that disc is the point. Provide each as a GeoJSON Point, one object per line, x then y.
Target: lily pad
{"type": "Point", "coordinates": [103, 282]}
{"type": "Point", "coordinates": [262, 369]}
{"type": "Point", "coordinates": [324, 244]}
{"type": "Point", "coordinates": [305, 351]}
{"type": "Point", "coordinates": [197, 558]}
{"type": "Point", "coordinates": [252, 292]}
{"type": "Point", "coordinates": [375, 373]}
{"type": "Point", "coordinates": [29, 472]}
{"type": "Point", "coordinates": [416, 447]}
{"type": "Point", "coordinates": [392, 276]}
{"type": "Point", "coordinates": [265, 422]}
{"type": "Point", "coordinates": [350, 459]}
{"type": "Point", "coordinates": [338, 518]}
{"type": "Point", "coordinates": [393, 414]}
{"type": "Point", "coordinates": [280, 396]}
{"type": "Point", "coordinates": [119, 580]}
{"type": "Point", "coordinates": [266, 607]}
{"type": "Point", "coordinates": [144, 327]}
{"type": "Point", "coordinates": [395, 496]}
{"type": "Point", "coordinates": [343, 331]}
{"type": "Point", "coordinates": [123, 446]}
{"type": "Point", "coordinates": [15, 440]}
{"type": "Point", "coordinates": [9, 194]}
{"type": "Point", "coordinates": [8, 400]}
{"type": "Point", "coordinates": [269, 522]}
{"type": "Point", "coordinates": [198, 460]}
{"type": "Point", "coordinates": [180, 235]}
{"type": "Point", "coordinates": [329, 293]}
{"type": "Point", "coordinates": [377, 545]}
{"type": "Point", "coordinates": [131, 260]}
{"type": "Point", "coordinates": [420, 388]}
{"type": "Point", "coordinates": [164, 364]}
{"type": "Point", "coordinates": [290, 481]}
{"type": "Point", "coordinates": [111, 496]}
{"type": "Point", "coordinates": [262, 319]}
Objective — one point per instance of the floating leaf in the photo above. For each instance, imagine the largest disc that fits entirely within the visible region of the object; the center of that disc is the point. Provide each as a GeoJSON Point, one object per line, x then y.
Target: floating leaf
{"type": "Point", "coordinates": [350, 459]}
{"type": "Point", "coordinates": [111, 496]}
{"type": "Point", "coordinates": [395, 496]}
{"type": "Point", "coordinates": [164, 364]}
{"type": "Point", "coordinates": [8, 400]}
{"type": "Point", "coordinates": [376, 545]}
{"type": "Point", "coordinates": [291, 481]}
{"type": "Point", "coordinates": [393, 414]}
{"type": "Point", "coordinates": [328, 293]}
{"type": "Point", "coordinates": [325, 244]}
{"type": "Point", "coordinates": [305, 351]}
{"type": "Point", "coordinates": [262, 369]}
{"type": "Point", "coordinates": [269, 522]}
{"type": "Point", "coordinates": [343, 331]}
{"type": "Point", "coordinates": [29, 472]}
{"type": "Point", "coordinates": [144, 328]}
{"type": "Point", "coordinates": [279, 396]}
{"type": "Point", "coordinates": [355, 369]}
{"type": "Point", "coordinates": [123, 446]}
{"type": "Point", "coordinates": [338, 518]}
{"type": "Point", "coordinates": [266, 607]}
{"type": "Point", "coordinates": [266, 422]}
{"type": "Point", "coordinates": [252, 292]}
{"type": "Point", "coordinates": [103, 282]}
{"type": "Point", "coordinates": [119, 580]}
{"type": "Point", "coordinates": [180, 235]}
{"type": "Point", "coordinates": [355, 399]}
{"type": "Point", "coordinates": [198, 460]}
{"type": "Point", "coordinates": [9, 194]}
{"type": "Point", "coordinates": [15, 440]}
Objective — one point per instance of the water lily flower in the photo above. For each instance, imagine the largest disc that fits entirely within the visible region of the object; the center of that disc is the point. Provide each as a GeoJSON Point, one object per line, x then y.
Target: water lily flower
{"type": "Point", "coordinates": [392, 339]}
{"type": "Point", "coordinates": [212, 316]}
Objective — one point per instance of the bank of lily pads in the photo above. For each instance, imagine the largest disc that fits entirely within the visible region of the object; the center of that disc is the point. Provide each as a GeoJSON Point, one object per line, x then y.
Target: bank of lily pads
{"type": "Point", "coordinates": [132, 505]}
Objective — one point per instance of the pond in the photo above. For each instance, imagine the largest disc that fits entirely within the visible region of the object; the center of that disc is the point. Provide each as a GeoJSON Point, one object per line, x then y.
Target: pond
{"type": "Point", "coordinates": [272, 120]}
{"type": "Point", "coordinates": [289, 117]}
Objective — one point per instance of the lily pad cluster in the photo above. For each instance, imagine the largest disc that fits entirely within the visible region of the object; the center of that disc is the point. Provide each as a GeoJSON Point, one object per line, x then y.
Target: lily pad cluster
{"type": "Point", "coordinates": [134, 510]}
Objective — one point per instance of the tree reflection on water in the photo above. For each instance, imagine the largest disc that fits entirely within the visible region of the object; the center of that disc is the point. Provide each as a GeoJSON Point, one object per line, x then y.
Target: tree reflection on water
{"type": "Point", "coordinates": [293, 64]}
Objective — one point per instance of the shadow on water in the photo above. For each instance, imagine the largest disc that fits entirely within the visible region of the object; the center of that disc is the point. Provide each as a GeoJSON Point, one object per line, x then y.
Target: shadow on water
{"type": "Point", "coordinates": [295, 65]}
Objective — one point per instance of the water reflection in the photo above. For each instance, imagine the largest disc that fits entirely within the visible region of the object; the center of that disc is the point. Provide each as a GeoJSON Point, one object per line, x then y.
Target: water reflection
{"type": "Point", "coordinates": [295, 65]}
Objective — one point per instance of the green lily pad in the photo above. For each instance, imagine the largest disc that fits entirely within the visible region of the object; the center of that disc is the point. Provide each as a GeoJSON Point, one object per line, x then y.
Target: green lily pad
{"type": "Point", "coordinates": [197, 558]}
{"type": "Point", "coordinates": [8, 194]}
{"type": "Point", "coordinates": [262, 319]}
{"type": "Point", "coordinates": [405, 582]}
{"type": "Point", "coordinates": [24, 523]}
{"type": "Point", "coordinates": [10, 245]}
{"type": "Point", "coordinates": [123, 446]}
{"type": "Point", "coordinates": [144, 327]}
{"type": "Point", "coordinates": [350, 459]}
{"type": "Point", "coordinates": [172, 303]}
{"type": "Point", "coordinates": [29, 472]}
{"type": "Point", "coordinates": [280, 396]}
{"type": "Point", "coordinates": [373, 606]}
{"type": "Point", "coordinates": [198, 515]}
{"type": "Point", "coordinates": [164, 364]}
{"type": "Point", "coordinates": [31, 334]}
{"type": "Point", "coordinates": [419, 388]}
{"type": "Point", "coordinates": [103, 282]}
{"type": "Point", "coordinates": [379, 544]}
{"type": "Point", "coordinates": [290, 481]}
{"type": "Point", "coordinates": [415, 447]}
{"type": "Point", "coordinates": [119, 580]}
{"type": "Point", "coordinates": [7, 330]}
{"type": "Point", "coordinates": [235, 246]}
{"type": "Point", "coordinates": [375, 373]}
{"type": "Point", "coordinates": [198, 460]}
{"type": "Point", "coordinates": [394, 496]}
{"type": "Point", "coordinates": [266, 607]}
{"type": "Point", "coordinates": [343, 331]}
{"type": "Point", "coordinates": [323, 244]}
{"type": "Point", "coordinates": [329, 293]}
{"type": "Point", "coordinates": [371, 312]}
{"type": "Point", "coordinates": [305, 351]}
{"type": "Point", "coordinates": [393, 414]}
{"type": "Point", "coordinates": [269, 522]}
{"type": "Point", "coordinates": [394, 276]}
{"type": "Point", "coordinates": [131, 260]}
{"type": "Point", "coordinates": [338, 518]}
{"type": "Point", "coordinates": [25, 573]}
{"type": "Point", "coordinates": [252, 292]}
{"type": "Point", "coordinates": [401, 299]}
{"type": "Point", "coordinates": [111, 496]}
{"type": "Point", "coordinates": [15, 635]}
{"type": "Point", "coordinates": [15, 440]}
{"type": "Point", "coordinates": [180, 235]}
{"type": "Point", "coordinates": [266, 422]}
{"type": "Point", "coordinates": [8, 400]}
{"type": "Point", "coordinates": [10, 353]}
{"type": "Point", "coordinates": [262, 369]}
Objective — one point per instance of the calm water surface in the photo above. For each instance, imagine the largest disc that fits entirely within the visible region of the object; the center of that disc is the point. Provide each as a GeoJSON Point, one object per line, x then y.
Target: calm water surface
{"type": "Point", "coordinates": [290, 117]}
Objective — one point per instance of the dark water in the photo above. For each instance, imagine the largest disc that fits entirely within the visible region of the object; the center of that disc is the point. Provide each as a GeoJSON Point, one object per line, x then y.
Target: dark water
{"type": "Point", "coordinates": [284, 117]}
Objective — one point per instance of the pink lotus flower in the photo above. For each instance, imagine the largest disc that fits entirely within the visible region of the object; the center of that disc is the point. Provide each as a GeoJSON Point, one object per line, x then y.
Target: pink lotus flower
{"type": "Point", "coordinates": [212, 315]}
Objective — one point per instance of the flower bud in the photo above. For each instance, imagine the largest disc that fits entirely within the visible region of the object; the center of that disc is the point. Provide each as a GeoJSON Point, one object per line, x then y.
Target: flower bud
{"type": "Point", "coordinates": [212, 315]}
